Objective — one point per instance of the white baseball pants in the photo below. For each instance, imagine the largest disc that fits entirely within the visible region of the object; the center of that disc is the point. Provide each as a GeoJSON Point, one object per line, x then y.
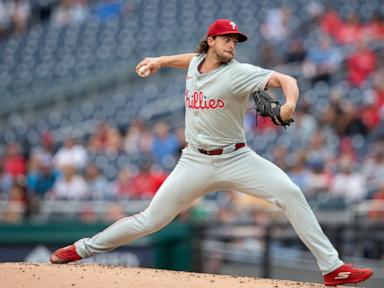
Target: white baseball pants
{"type": "Point", "coordinates": [197, 174]}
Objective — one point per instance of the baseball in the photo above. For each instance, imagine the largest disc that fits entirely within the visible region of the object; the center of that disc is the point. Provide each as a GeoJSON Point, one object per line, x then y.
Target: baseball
{"type": "Point", "coordinates": [144, 71]}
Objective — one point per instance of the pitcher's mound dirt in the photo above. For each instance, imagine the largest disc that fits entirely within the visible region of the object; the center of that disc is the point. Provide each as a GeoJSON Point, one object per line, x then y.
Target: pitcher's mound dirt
{"type": "Point", "coordinates": [27, 275]}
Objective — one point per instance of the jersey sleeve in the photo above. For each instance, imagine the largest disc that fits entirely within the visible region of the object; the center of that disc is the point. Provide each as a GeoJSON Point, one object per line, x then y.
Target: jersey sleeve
{"type": "Point", "coordinates": [247, 78]}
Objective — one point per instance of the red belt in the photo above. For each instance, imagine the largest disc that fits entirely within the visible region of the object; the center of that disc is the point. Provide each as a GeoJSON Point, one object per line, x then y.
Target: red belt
{"type": "Point", "coordinates": [220, 151]}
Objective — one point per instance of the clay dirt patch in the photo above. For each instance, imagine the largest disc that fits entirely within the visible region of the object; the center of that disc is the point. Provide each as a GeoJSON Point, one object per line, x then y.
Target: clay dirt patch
{"type": "Point", "coordinates": [27, 275]}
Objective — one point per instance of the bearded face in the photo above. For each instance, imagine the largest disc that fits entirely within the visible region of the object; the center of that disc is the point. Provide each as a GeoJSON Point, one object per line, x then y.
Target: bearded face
{"type": "Point", "coordinates": [223, 48]}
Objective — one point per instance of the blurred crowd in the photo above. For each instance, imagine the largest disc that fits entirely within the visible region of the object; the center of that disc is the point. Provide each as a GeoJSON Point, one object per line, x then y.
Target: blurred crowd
{"type": "Point", "coordinates": [81, 170]}
{"type": "Point", "coordinates": [334, 151]}
{"type": "Point", "coordinates": [17, 16]}
{"type": "Point", "coordinates": [324, 43]}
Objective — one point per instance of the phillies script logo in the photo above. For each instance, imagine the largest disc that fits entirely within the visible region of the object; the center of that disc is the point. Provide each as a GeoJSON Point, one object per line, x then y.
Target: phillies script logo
{"type": "Point", "coordinates": [199, 101]}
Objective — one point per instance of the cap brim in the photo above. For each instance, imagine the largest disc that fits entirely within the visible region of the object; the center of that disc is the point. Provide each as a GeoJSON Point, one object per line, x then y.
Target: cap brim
{"type": "Point", "coordinates": [242, 37]}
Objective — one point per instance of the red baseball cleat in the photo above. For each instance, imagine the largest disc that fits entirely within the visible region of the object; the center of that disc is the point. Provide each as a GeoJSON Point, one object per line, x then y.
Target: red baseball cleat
{"type": "Point", "coordinates": [347, 273]}
{"type": "Point", "coordinates": [65, 255]}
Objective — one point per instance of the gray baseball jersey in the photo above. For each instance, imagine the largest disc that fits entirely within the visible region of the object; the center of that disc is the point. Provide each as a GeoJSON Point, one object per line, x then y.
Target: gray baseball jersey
{"type": "Point", "coordinates": [216, 102]}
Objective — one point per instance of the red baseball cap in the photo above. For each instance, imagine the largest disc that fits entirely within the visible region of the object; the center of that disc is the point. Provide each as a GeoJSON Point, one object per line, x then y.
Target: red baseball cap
{"type": "Point", "coordinates": [224, 27]}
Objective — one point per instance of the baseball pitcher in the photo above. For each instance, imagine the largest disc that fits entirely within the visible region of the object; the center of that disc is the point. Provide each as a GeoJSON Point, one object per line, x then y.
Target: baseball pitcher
{"type": "Point", "coordinates": [217, 157]}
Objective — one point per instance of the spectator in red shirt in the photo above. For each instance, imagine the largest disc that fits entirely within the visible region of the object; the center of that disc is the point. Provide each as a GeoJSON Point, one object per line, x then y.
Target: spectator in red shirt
{"type": "Point", "coordinates": [14, 162]}
{"type": "Point", "coordinates": [145, 184]}
{"type": "Point", "coordinates": [374, 29]}
{"type": "Point", "coordinates": [360, 64]}
{"type": "Point", "coordinates": [370, 114]}
{"type": "Point", "coordinates": [330, 22]}
{"type": "Point", "coordinates": [350, 31]}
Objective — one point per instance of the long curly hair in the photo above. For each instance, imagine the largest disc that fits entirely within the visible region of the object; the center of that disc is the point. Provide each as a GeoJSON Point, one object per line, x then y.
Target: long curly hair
{"type": "Point", "coordinates": [202, 47]}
